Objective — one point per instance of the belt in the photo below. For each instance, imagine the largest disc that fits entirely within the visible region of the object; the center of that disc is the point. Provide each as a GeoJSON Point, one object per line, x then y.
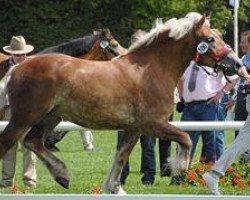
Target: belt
{"type": "Point", "coordinates": [242, 94]}
{"type": "Point", "coordinates": [198, 101]}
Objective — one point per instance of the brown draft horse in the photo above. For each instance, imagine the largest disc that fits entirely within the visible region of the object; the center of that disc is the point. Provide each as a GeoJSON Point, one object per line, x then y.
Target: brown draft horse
{"type": "Point", "coordinates": [100, 45]}
{"type": "Point", "coordinates": [133, 92]}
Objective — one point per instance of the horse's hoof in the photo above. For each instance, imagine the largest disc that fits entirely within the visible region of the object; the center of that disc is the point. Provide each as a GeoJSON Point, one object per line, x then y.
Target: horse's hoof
{"type": "Point", "coordinates": [63, 182]}
{"type": "Point", "coordinates": [166, 170]}
{"type": "Point", "coordinates": [119, 191]}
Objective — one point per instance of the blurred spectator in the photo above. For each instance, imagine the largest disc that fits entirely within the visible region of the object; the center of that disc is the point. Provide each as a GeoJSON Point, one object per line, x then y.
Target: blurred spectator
{"type": "Point", "coordinates": [57, 136]}
{"type": "Point", "coordinates": [240, 104]}
{"type": "Point", "coordinates": [202, 91]}
{"type": "Point", "coordinates": [17, 50]}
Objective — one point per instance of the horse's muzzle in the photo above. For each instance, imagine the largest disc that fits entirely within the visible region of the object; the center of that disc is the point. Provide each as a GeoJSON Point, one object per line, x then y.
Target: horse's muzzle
{"type": "Point", "coordinates": [229, 66]}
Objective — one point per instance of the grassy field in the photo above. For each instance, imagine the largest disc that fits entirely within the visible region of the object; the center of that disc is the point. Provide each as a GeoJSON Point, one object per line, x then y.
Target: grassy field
{"type": "Point", "coordinates": [89, 169]}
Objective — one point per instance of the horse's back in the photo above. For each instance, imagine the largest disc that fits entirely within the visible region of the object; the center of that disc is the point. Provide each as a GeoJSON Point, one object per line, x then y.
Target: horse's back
{"type": "Point", "coordinates": [76, 87]}
{"type": "Point", "coordinates": [59, 66]}
{"type": "Point", "coordinates": [3, 57]}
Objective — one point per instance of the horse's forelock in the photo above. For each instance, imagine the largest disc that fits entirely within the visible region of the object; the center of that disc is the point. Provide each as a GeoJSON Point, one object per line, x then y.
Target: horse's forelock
{"type": "Point", "coordinates": [176, 28]}
{"type": "Point", "coordinates": [218, 33]}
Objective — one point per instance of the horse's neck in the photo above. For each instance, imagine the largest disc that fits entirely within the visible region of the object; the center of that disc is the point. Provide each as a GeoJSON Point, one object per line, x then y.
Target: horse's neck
{"type": "Point", "coordinates": [95, 53]}
{"type": "Point", "coordinates": [75, 48]}
{"type": "Point", "coordinates": [166, 61]}
{"type": "Point", "coordinates": [173, 57]}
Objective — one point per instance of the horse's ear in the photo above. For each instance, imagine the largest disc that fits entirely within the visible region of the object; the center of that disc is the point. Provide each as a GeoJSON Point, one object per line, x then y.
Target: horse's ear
{"type": "Point", "coordinates": [208, 15]}
{"type": "Point", "coordinates": [204, 22]}
{"type": "Point", "coordinates": [103, 33]}
{"type": "Point", "coordinates": [107, 31]}
{"type": "Point", "coordinates": [200, 23]}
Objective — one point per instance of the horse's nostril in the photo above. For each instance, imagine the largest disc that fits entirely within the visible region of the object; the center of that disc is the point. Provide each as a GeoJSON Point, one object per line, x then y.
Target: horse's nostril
{"type": "Point", "coordinates": [238, 65]}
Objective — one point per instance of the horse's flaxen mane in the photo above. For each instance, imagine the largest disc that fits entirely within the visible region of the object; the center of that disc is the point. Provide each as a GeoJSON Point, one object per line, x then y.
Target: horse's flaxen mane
{"type": "Point", "coordinates": [177, 28]}
{"type": "Point", "coordinates": [75, 48]}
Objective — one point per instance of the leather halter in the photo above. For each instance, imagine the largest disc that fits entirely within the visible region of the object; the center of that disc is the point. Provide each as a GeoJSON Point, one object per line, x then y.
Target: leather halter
{"type": "Point", "coordinates": [218, 56]}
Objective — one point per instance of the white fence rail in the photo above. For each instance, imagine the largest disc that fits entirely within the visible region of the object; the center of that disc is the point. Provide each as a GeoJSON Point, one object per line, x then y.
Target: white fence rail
{"type": "Point", "coordinates": [119, 197]}
{"type": "Point", "coordinates": [188, 126]}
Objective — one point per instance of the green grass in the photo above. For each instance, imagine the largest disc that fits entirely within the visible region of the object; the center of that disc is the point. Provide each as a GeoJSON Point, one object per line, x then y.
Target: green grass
{"type": "Point", "coordinates": [89, 169]}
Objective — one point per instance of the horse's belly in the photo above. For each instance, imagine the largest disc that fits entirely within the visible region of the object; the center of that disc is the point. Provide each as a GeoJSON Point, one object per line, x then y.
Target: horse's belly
{"type": "Point", "coordinates": [105, 117]}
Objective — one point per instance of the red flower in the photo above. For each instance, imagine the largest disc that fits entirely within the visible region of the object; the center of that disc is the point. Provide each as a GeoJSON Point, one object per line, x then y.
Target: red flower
{"type": "Point", "coordinates": [230, 169]}
{"type": "Point", "coordinates": [236, 175]}
{"type": "Point", "coordinates": [96, 190]}
{"type": "Point", "coordinates": [235, 180]}
{"type": "Point", "coordinates": [240, 184]}
{"type": "Point", "coordinates": [199, 169]}
{"type": "Point", "coordinates": [15, 189]}
{"type": "Point", "coordinates": [191, 176]}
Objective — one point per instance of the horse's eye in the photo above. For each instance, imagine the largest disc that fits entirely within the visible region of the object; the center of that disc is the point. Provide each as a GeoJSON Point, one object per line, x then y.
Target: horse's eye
{"type": "Point", "coordinates": [114, 45]}
{"type": "Point", "coordinates": [210, 39]}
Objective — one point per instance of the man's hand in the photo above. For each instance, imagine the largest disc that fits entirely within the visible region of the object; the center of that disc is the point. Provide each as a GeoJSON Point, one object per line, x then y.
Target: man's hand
{"type": "Point", "coordinates": [217, 97]}
{"type": "Point", "coordinates": [230, 104]}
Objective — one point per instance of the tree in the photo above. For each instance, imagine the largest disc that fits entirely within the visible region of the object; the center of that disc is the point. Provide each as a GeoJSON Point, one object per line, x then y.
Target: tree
{"type": "Point", "coordinates": [45, 23]}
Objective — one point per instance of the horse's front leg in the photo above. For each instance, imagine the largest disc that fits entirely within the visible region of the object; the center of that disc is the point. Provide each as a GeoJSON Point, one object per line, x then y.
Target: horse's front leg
{"type": "Point", "coordinates": [112, 183]}
{"type": "Point", "coordinates": [180, 162]}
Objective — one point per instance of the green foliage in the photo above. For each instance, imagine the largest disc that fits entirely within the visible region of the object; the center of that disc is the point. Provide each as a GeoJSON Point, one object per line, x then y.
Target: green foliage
{"type": "Point", "coordinates": [45, 23]}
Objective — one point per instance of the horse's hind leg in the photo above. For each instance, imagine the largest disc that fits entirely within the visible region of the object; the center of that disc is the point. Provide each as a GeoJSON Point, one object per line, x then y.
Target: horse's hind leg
{"type": "Point", "coordinates": [11, 134]}
{"type": "Point", "coordinates": [181, 161]}
{"type": "Point", "coordinates": [34, 141]}
{"type": "Point", "coordinates": [112, 183]}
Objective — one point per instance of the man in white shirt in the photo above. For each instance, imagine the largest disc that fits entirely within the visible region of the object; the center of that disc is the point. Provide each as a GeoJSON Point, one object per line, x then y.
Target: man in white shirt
{"type": "Point", "coordinates": [201, 101]}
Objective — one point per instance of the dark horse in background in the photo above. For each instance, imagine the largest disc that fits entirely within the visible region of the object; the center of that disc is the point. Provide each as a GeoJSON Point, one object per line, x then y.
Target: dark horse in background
{"type": "Point", "coordinates": [133, 92]}
{"type": "Point", "coordinates": [101, 46]}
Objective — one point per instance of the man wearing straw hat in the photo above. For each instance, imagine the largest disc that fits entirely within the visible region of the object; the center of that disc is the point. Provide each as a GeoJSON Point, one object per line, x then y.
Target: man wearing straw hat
{"type": "Point", "coordinates": [17, 50]}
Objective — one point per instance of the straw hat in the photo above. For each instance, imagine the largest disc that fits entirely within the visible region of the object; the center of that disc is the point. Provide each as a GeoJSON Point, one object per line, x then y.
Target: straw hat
{"type": "Point", "coordinates": [18, 46]}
